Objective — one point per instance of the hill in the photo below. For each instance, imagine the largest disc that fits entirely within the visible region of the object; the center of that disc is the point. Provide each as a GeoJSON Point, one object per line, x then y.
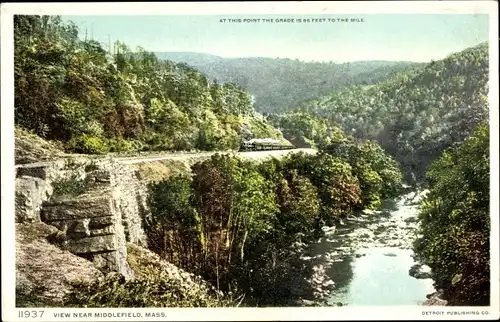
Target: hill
{"type": "Point", "coordinates": [96, 102]}
{"type": "Point", "coordinates": [190, 58]}
{"type": "Point", "coordinates": [415, 114]}
{"type": "Point", "coordinates": [278, 84]}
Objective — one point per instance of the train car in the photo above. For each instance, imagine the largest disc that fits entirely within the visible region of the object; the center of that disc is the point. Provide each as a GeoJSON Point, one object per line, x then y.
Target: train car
{"type": "Point", "coordinates": [264, 144]}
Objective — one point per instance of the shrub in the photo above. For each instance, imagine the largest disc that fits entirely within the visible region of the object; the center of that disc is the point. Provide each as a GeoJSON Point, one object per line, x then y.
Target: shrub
{"type": "Point", "coordinates": [299, 205]}
{"type": "Point", "coordinates": [371, 186]}
{"type": "Point", "coordinates": [71, 187]}
{"type": "Point", "coordinates": [120, 145]}
{"type": "Point", "coordinates": [88, 144]}
{"type": "Point", "coordinates": [157, 289]}
{"type": "Point", "coordinates": [378, 174]}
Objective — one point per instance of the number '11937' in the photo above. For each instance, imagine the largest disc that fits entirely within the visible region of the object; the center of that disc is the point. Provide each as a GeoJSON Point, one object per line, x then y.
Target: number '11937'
{"type": "Point", "coordinates": [30, 314]}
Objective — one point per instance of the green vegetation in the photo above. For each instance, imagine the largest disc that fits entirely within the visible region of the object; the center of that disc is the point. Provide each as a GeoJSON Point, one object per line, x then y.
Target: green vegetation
{"type": "Point", "coordinates": [455, 218]}
{"type": "Point", "coordinates": [242, 225]}
{"type": "Point", "coordinates": [156, 285]}
{"type": "Point", "coordinates": [175, 220]}
{"type": "Point", "coordinates": [379, 175]}
{"type": "Point", "coordinates": [279, 83]}
{"type": "Point", "coordinates": [76, 183]}
{"type": "Point", "coordinates": [414, 114]}
{"type": "Point", "coordinates": [72, 186]}
{"type": "Point", "coordinates": [95, 101]}
{"type": "Point", "coordinates": [303, 130]}
{"type": "Point", "coordinates": [237, 223]}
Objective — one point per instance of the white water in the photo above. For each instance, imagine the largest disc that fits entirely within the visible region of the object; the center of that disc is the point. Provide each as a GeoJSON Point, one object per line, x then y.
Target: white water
{"type": "Point", "coordinates": [369, 260]}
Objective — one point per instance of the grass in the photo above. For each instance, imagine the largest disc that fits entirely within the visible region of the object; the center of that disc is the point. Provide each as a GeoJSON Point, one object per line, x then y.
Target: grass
{"type": "Point", "coordinates": [156, 171]}
{"type": "Point", "coordinates": [29, 147]}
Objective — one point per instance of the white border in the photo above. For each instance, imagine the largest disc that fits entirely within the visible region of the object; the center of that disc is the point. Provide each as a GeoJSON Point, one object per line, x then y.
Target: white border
{"type": "Point", "coordinates": [9, 313]}
{"type": "Point", "coordinates": [250, 7]}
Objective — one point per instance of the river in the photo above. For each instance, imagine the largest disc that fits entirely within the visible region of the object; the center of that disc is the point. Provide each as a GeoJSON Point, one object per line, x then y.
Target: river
{"type": "Point", "coordinates": [366, 260]}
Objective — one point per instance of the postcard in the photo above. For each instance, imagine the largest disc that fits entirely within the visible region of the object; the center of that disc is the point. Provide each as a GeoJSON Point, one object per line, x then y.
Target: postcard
{"type": "Point", "coordinates": [250, 161]}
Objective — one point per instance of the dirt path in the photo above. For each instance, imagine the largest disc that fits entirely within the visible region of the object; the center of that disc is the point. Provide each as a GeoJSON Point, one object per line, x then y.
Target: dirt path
{"type": "Point", "coordinates": [181, 156]}
{"type": "Point", "coordinates": [185, 156]}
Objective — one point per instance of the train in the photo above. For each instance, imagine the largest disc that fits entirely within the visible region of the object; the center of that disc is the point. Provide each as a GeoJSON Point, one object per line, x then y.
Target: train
{"type": "Point", "coordinates": [264, 144]}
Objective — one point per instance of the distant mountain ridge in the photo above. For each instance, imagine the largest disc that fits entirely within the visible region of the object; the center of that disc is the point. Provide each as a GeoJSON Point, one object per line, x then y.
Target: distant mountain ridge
{"type": "Point", "coordinates": [414, 115]}
{"type": "Point", "coordinates": [278, 84]}
{"type": "Point", "coordinates": [189, 58]}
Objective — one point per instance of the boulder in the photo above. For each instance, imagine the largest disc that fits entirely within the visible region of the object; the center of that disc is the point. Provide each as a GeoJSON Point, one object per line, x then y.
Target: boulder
{"type": "Point", "coordinates": [420, 271]}
{"type": "Point", "coordinates": [30, 193]}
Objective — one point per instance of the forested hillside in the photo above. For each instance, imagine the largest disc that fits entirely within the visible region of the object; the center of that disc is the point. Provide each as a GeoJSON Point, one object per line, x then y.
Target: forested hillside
{"type": "Point", "coordinates": [279, 84]}
{"type": "Point", "coordinates": [414, 115]}
{"type": "Point", "coordinates": [456, 223]}
{"type": "Point", "coordinates": [95, 101]}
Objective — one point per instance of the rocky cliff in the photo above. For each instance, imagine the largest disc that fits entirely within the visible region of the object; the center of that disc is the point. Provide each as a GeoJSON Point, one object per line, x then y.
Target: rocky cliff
{"type": "Point", "coordinates": [95, 205]}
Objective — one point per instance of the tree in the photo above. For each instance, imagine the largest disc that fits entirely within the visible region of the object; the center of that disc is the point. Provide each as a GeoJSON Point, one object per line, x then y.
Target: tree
{"type": "Point", "coordinates": [75, 92]}
{"type": "Point", "coordinates": [455, 219]}
{"type": "Point", "coordinates": [174, 228]}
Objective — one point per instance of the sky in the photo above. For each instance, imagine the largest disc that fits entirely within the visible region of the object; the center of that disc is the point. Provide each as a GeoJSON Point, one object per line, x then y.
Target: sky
{"type": "Point", "coordinates": [397, 37]}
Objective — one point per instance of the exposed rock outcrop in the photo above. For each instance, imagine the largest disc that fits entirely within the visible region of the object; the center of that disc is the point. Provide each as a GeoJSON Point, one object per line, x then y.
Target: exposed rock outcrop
{"type": "Point", "coordinates": [96, 205]}
{"type": "Point", "coordinates": [44, 272]}
{"type": "Point", "coordinates": [34, 187]}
